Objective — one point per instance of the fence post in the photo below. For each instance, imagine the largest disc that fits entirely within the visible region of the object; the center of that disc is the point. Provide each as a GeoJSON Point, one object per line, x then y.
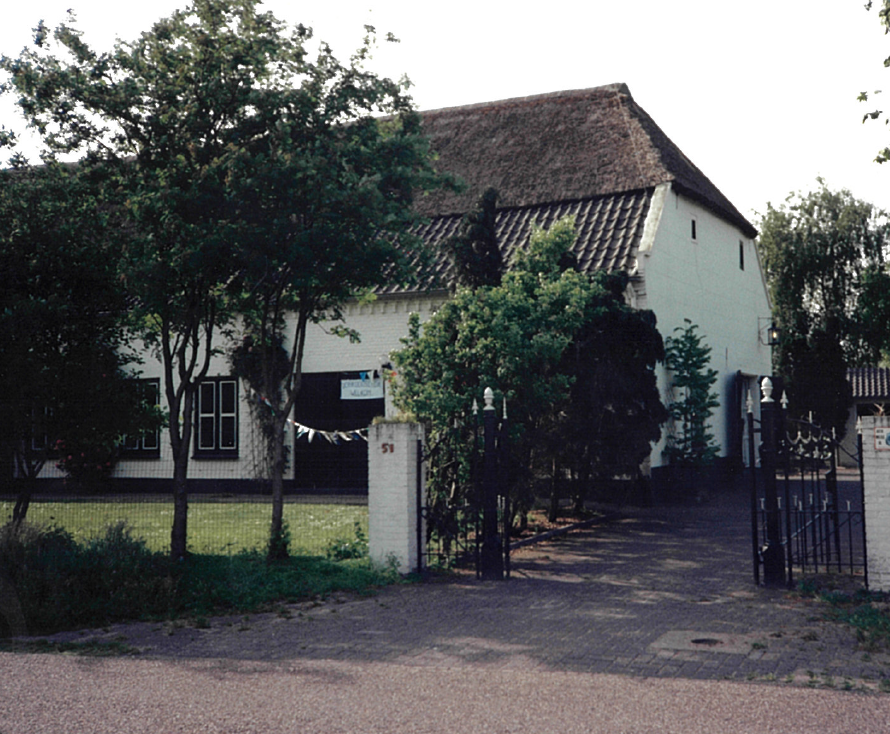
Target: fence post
{"type": "Point", "coordinates": [394, 452]}
{"type": "Point", "coordinates": [773, 561]}
{"type": "Point", "coordinates": [491, 557]}
{"type": "Point", "coordinates": [749, 404]}
{"type": "Point", "coordinates": [862, 501]}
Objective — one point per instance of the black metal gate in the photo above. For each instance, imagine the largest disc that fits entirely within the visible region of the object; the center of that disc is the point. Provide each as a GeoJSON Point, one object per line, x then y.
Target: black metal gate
{"type": "Point", "coordinates": [465, 513]}
{"type": "Point", "coordinates": [812, 511]}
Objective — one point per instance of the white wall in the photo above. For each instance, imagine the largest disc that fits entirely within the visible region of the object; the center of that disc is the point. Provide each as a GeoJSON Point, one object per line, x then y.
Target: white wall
{"type": "Point", "coordinates": [876, 471]}
{"type": "Point", "coordinates": [381, 324]}
{"type": "Point", "coordinates": [681, 278]}
{"type": "Point", "coordinates": [701, 280]}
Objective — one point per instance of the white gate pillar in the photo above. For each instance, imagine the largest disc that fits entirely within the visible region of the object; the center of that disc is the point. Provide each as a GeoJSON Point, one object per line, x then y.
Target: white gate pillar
{"type": "Point", "coordinates": [876, 491]}
{"type": "Point", "coordinates": [394, 499]}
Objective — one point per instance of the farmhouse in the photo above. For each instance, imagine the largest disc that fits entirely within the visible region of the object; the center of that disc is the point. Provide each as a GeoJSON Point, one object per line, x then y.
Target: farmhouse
{"type": "Point", "coordinates": [640, 206]}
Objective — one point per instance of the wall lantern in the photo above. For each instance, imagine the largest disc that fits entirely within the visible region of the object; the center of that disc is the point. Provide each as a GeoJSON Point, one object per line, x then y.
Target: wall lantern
{"type": "Point", "coordinates": [770, 334]}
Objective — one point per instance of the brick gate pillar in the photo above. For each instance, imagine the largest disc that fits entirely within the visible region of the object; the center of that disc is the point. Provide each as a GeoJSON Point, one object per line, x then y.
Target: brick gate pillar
{"type": "Point", "coordinates": [394, 501]}
{"type": "Point", "coordinates": [876, 492]}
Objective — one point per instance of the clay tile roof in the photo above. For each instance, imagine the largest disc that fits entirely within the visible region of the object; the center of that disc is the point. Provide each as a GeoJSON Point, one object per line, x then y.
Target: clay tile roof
{"type": "Point", "coordinates": [564, 146]}
{"type": "Point", "coordinates": [608, 228]}
{"type": "Point", "coordinates": [870, 382]}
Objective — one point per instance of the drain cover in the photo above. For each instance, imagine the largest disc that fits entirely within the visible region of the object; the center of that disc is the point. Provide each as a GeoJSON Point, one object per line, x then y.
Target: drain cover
{"type": "Point", "coordinates": [707, 642]}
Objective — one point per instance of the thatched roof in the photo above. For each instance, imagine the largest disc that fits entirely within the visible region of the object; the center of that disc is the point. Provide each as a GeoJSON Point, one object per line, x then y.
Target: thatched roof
{"type": "Point", "coordinates": [561, 147]}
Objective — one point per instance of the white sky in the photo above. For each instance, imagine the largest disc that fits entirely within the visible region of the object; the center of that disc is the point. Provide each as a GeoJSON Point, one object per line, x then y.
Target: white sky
{"type": "Point", "coordinates": [760, 95]}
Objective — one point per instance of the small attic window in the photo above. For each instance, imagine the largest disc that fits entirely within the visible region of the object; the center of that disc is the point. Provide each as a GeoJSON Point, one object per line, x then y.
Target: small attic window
{"type": "Point", "coordinates": [692, 231]}
{"type": "Point", "coordinates": [741, 255]}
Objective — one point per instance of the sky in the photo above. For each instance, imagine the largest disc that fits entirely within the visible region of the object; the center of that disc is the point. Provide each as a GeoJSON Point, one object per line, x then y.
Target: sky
{"type": "Point", "coordinates": [761, 95]}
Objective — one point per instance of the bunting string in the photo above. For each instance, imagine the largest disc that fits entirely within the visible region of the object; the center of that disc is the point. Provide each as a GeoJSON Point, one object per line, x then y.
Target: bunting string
{"type": "Point", "coordinates": [333, 437]}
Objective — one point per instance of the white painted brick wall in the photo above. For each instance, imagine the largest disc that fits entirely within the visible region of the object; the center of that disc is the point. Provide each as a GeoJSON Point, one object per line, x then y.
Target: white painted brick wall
{"type": "Point", "coordinates": [393, 504]}
{"type": "Point", "coordinates": [876, 465]}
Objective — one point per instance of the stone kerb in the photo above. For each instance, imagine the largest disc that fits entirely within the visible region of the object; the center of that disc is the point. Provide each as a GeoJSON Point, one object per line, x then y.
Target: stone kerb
{"type": "Point", "coordinates": [393, 503]}
{"type": "Point", "coordinates": [876, 471]}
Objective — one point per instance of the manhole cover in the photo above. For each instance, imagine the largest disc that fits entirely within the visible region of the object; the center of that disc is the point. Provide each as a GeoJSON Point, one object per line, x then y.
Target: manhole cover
{"type": "Point", "coordinates": [706, 642]}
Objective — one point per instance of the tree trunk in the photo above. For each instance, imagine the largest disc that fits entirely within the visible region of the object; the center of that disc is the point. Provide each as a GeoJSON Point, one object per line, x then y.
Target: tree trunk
{"type": "Point", "coordinates": [278, 541]}
{"type": "Point", "coordinates": [553, 515]}
{"type": "Point", "coordinates": [179, 533]}
{"type": "Point", "coordinates": [28, 473]}
{"type": "Point", "coordinates": [22, 501]}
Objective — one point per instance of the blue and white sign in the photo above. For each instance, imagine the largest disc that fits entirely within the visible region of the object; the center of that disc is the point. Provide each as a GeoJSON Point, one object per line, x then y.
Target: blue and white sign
{"type": "Point", "coordinates": [882, 438]}
{"type": "Point", "coordinates": [365, 388]}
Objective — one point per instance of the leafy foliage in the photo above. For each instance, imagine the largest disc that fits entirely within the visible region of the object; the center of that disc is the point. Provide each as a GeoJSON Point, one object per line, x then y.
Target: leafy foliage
{"type": "Point", "coordinates": [688, 358]}
{"type": "Point", "coordinates": [824, 254]}
{"type": "Point", "coordinates": [344, 549]}
{"type": "Point", "coordinates": [251, 176]}
{"type": "Point", "coordinates": [884, 16]}
{"type": "Point", "coordinates": [474, 254]}
{"type": "Point", "coordinates": [61, 584]}
{"type": "Point", "coordinates": [518, 338]}
{"type": "Point", "coordinates": [322, 202]}
{"type": "Point", "coordinates": [63, 383]}
{"type": "Point", "coordinates": [615, 412]}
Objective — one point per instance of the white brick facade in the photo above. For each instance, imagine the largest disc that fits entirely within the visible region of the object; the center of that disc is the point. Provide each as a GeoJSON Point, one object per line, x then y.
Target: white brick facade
{"type": "Point", "coordinates": [876, 467]}
{"type": "Point", "coordinates": [393, 500]}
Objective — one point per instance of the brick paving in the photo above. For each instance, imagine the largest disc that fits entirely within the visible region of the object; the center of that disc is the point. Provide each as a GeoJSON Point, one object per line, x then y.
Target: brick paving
{"type": "Point", "coordinates": [664, 593]}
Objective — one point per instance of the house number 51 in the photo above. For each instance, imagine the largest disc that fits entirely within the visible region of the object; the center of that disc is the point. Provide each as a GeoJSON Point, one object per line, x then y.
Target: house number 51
{"type": "Point", "coordinates": [388, 448]}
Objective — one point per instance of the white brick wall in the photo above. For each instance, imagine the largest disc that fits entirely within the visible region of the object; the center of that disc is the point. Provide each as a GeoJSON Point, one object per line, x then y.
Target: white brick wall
{"type": "Point", "coordinates": [702, 280]}
{"type": "Point", "coordinates": [876, 465]}
{"type": "Point", "coordinates": [393, 503]}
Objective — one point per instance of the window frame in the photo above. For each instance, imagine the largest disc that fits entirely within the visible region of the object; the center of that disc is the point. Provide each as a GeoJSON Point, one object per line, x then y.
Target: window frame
{"type": "Point", "coordinates": [137, 447]}
{"type": "Point", "coordinates": [216, 429]}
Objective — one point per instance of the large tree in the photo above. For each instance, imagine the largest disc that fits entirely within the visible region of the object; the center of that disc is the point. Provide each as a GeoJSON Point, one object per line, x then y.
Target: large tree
{"type": "Point", "coordinates": [820, 251]}
{"type": "Point", "coordinates": [516, 338]}
{"type": "Point", "coordinates": [65, 395]}
{"type": "Point", "coordinates": [323, 202]}
{"type": "Point", "coordinates": [238, 162]}
{"type": "Point", "coordinates": [615, 412]}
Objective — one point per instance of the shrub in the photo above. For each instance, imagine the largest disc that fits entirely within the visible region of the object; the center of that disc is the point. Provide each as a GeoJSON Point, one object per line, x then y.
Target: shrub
{"type": "Point", "coordinates": [62, 585]}
{"type": "Point", "coordinates": [343, 550]}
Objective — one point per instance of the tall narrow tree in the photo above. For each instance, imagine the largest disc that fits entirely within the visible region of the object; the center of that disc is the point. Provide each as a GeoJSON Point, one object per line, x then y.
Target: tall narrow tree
{"type": "Point", "coordinates": [324, 203]}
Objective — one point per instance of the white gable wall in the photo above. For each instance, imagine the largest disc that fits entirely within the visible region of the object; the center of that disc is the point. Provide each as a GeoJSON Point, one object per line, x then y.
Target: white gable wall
{"type": "Point", "coordinates": [701, 280]}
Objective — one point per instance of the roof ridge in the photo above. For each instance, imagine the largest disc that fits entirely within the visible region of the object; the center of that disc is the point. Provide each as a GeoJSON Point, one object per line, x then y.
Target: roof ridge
{"type": "Point", "coordinates": [617, 87]}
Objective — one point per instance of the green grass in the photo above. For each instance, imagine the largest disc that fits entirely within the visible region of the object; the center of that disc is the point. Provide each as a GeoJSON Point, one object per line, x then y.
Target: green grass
{"type": "Point", "coordinates": [866, 612]}
{"type": "Point", "coordinates": [214, 526]}
{"type": "Point", "coordinates": [61, 584]}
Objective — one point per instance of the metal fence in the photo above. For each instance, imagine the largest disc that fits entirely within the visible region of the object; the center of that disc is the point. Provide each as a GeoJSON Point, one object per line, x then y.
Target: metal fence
{"type": "Point", "coordinates": [217, 524]}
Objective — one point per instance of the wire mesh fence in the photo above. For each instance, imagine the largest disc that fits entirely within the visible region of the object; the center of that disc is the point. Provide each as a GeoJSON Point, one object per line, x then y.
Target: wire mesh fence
{"type": "Point", "coordinates": [216, 524]}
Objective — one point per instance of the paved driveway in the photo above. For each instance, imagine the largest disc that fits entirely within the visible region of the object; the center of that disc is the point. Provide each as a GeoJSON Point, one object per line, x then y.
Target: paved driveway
{"type": "Point", "coordinates": [649, 622]}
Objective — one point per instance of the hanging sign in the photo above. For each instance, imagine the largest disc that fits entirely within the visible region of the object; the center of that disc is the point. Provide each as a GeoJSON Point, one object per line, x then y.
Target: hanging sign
{"type": "Point", "coordinates": [367, 387]}
{"type": "Point", "coordinates": [882, 438]}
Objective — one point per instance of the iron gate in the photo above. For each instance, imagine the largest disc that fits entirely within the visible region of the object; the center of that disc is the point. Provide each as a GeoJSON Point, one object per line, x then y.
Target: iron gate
{"type": "Point", "coordinates": [813, 512]}
{"type": "Point", "coordinates": [465, 513]}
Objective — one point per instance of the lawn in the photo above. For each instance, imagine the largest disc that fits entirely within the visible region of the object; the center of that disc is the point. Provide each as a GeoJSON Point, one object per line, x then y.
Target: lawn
{"type": "Point", "coordinates": [214, 526]}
